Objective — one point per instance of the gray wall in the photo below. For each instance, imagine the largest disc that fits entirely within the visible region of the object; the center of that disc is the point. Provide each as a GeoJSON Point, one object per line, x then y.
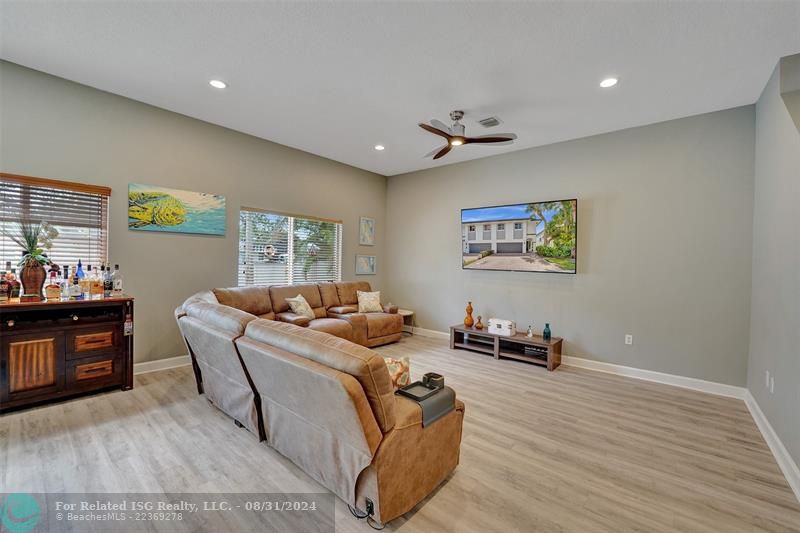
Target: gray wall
{"type": "Point", "coordinates": [775, 320]}
{"type": "Point", "coordinates": [664, 244]}
{"type": "Point", "coordinates": [53, 128]}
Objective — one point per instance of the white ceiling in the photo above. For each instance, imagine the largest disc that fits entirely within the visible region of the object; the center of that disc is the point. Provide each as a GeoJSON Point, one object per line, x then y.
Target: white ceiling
{"type": "Point", "coordinates": [336, 78]}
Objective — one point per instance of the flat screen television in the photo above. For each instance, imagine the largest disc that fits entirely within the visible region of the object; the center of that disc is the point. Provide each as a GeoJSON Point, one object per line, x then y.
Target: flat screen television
{"type": "Point", "coordinates": [532, 237]}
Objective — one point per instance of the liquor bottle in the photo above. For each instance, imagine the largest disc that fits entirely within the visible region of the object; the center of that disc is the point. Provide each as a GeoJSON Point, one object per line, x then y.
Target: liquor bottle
{"type": "Point", "coordinates": [75, 292]}
{"type": "Point", "coordinates": [66, 284]}
{"type": "Point", "coordinates": [52, 291]}
{"type": "Point", "coordinates": [4, 287]}
{"type": "Point", "coordinates": [96, 285]}
{"type": "Point", "coordinates": [117, 279]}
{"type": "Point", "coordinates": [108, 283]}
{"type": "Point", "coordinates": [79, 270]}
{"type": "Point", "coordinates": [16, 286]}
{"type": "Point", "coordinates": [85, 281]}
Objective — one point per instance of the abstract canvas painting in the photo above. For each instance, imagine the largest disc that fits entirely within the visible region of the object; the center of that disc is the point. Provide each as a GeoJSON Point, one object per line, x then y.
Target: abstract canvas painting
{"type": "Point", "coordinates": [366, 234]}
{"type": "Point", "coordinates": [365, 265]}
{"type": "Point", "coordinates": [153, 208]}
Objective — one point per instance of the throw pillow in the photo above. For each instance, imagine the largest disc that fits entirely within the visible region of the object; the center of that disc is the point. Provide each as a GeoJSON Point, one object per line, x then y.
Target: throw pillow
{"type": "Point", "coordinates": [299, 306]}
{"type": "Point", "coordinates": [399, 371]}
{"type": "Point", "coordinates": [369, 302]}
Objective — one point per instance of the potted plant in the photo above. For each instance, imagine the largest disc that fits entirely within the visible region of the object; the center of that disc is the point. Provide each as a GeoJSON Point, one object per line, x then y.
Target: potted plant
{"type": "Point", "coordinates": [34, 238]}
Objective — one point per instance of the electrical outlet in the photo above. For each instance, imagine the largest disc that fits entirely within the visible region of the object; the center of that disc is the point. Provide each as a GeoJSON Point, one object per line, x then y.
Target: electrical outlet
{"type": "Point", "coordinates": [767, 382]}
{"type": "Point", "coordinates": [628, 339]}
{"type": "Point", "coordinates": [771, 384]}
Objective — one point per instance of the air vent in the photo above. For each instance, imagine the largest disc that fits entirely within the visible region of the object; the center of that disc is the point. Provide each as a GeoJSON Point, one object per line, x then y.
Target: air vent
{"type": "Point", "coordinates": [489, 122]}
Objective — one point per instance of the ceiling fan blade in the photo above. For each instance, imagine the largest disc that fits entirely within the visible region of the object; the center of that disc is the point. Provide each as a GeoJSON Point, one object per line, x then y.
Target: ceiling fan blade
{"type": "Point", "coordinates": [432, 152]}
{"type": "Point", "coordinates": [435, 131]}
{"type": "Point", "coordinates": [441, 125]}
{"type": "Point", "coordinates": [511, 136]}
{"type": "Point", "coordinates": [443, 152]}
{"type": "Point", "coordinates": [486, 139]}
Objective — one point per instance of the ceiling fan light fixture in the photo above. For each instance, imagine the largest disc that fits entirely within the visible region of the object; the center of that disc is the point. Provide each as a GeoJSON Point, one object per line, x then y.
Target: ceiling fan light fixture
{"type": "Point", "coordinates": [456, 141]}
{"type": "Point", "coordinates": [608, 82]}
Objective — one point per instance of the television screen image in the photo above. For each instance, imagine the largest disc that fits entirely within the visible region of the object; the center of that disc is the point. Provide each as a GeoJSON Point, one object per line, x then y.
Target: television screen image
{"type": "Point", "coordinates": [534, 237]}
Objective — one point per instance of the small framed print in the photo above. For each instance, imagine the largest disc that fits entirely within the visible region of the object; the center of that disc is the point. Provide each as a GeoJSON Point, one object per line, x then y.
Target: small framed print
{"type": "Point", "coordinates": [365, 265]}
{"type": "Point", "coordinates": [366, 231]}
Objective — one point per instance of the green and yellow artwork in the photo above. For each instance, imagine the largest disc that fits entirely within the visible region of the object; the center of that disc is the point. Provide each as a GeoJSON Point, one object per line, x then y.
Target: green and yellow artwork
{"type": "Point", "coordinates": [152, 208]}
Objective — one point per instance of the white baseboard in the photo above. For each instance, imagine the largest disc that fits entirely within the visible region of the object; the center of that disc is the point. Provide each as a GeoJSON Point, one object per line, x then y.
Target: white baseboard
{"type": "Point", "coordinates": [161, 364]}
{"type": "Point", "coordinates": [787, 465]}
{"type": "Point", "coordinates": [710, 387]}
{"type": "Point", "coordinates": [430, 333]}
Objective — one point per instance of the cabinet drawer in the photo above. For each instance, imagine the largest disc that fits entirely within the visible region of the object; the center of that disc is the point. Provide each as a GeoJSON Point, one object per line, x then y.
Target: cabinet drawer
{"type": "Point", "coordinates": [93, 372]}
{"type": "Point", "coordinates": [86, 342]}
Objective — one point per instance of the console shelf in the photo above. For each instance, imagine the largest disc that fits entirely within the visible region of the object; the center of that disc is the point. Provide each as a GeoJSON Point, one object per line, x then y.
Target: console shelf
{"type": "Point", "coordinates": [519, 347]}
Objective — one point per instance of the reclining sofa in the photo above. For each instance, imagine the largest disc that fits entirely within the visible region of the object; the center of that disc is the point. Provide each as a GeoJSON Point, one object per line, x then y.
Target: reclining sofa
{"type": "Point", "coordinates": [317, 397]}
{"type": "Point", "coordinates": [335, 307]}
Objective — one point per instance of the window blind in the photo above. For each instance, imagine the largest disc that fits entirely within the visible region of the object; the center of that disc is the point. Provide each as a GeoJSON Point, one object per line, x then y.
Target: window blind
{"type": "Point", "coordinates": [279, 249]}
{"type": "Point", "coordinates": [79, 212]}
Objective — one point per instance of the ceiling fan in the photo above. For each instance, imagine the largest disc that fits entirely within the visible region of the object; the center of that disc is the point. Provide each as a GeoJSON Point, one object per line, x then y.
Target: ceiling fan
{"type": "Point", "coordinates": [454, 135]}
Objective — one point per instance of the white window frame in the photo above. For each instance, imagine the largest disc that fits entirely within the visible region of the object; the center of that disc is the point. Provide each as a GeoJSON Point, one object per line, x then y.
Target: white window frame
{"type": "Point", "coordinates": [246, 269]}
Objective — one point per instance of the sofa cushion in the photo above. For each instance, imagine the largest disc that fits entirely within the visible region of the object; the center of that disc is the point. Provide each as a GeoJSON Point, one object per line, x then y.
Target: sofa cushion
{"type": "Point", "coordinates": [383, 324]}
{"type": "Point", "coordinates": [366, 366]}
{"type": "Point", "coordinates": [369, 302]}
{"type": "Point", "coordinates": [253, 300]}
{"type": "Point", "coordinates": [293, 318]}
{"type": "Point", "coordinates": [309, 291]}
{"type": "Point", "coordinates": [343, 309]}
{"type": "Point", "coordinates": [220, 317]}
{"type": "Point", "coordinates": [330, 298]}
{"type": "Point", "coordinates": [300, 306]}
{"type": "Point", "coordinates": [399, 371]}
{"type": "Point", "coordinates": [334, 326]}
{"type": "Point", "coordinates": [348, 291]}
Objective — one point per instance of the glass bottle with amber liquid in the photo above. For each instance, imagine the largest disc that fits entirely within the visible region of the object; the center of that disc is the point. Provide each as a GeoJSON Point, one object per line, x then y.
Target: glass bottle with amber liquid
{"type": "Point", "coordinates": [52, 291]}
{"type": "Point", "coordinates": [96, 285]}
{"type": "Point", "coordinates": [86, 282]}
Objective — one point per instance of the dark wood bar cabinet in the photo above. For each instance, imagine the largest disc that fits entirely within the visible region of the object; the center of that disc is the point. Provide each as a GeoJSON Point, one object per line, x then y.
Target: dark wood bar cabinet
{"type": "Point", "coordinates": [55, 350]}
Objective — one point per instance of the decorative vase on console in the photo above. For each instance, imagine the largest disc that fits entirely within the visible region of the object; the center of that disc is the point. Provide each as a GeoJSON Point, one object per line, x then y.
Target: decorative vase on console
{"type": "Point", "coordinates": [479, 324]}
{"type": "Point", "coordinates": [546, 333]}
{"type": "Point", "coordinates": [34, 237]}
{"type": "Point", "coordinates": [468, 321]}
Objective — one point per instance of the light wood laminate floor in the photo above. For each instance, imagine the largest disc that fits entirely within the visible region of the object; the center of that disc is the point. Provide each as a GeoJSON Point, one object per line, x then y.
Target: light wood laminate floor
{"type": "Point", "coordinates": [567, 451]}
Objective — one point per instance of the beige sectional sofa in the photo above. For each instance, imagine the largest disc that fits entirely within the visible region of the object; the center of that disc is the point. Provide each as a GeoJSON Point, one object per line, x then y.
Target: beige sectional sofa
{"type": "Point", "coordinates": [318, 398]}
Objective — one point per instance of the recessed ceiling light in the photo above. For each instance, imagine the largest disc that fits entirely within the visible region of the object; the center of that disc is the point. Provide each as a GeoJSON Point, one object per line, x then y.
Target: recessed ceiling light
{"type": "Point", "coordinates": [608, 82]}
{"type": "Point", "coordinates": [380, 147]}
{"type": "Point", "coordinates": [218, 84]}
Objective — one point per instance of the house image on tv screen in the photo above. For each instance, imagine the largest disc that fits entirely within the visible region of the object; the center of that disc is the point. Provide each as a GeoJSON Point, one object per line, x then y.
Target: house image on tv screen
{"type": "Point", "coordinates": [536, 237]}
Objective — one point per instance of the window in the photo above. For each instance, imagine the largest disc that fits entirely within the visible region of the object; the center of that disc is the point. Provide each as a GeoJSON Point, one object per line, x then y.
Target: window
{"type": "Point", "coordinates": [501, 232]}
{"type": "Point", "coordinates": [280, 249]}
{"type": "Point", "coordinates": [487, 232]}
{"type": "Point", "coordinates": [471, 232]}
{"type": "Point", "coordinates": [79, 212]}
{"type": "Point", "coordinates": [517, 230]}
